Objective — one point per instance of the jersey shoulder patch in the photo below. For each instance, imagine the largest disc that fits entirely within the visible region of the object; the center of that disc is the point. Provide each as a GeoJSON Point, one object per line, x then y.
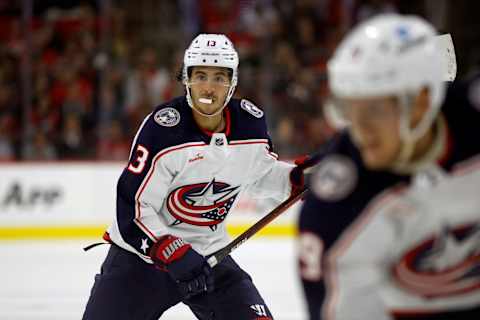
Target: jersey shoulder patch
{"type": "Point", "coordinates": [167, 117]}
{"type": "Point", "coordinates": [251, 108]}
{"type": "Point", "coordinates": [334, 178]}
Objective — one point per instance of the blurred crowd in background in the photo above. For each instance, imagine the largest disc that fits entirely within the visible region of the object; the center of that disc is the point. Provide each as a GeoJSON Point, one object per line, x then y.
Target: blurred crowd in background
{"type": "Point", "coordinates": [78, 77]}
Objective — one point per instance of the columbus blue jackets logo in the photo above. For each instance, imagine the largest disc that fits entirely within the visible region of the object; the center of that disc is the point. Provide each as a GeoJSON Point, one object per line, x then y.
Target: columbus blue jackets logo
{"type": "Point", "coordinates": [167, 117]}
{"type": "Point", "coordinates": [202, 204]}
{"type": "Point", "coordinates": [446, 265]}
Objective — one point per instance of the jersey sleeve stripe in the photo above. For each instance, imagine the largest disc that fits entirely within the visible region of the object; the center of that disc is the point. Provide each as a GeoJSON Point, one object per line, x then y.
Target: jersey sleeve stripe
{"type": "Point", "coordinates": [468, 166]}
{"type": "Point", "coordinates": [144, 228]}
{"type": "Point", "coordinates": [273, 155]}
{"type": "Point", "coordinates": [252, 141]}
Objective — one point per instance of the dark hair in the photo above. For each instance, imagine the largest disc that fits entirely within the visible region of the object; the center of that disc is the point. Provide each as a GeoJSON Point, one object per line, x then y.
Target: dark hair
{"type": "Point", "coordinates": [180, 73]}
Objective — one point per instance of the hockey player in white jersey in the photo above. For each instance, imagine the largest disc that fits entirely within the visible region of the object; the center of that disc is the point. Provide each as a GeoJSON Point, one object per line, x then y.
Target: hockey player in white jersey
{"type": "Point", "coordinates": [191, 161]}
{"type": "Point", "coordinates": [391, 229]}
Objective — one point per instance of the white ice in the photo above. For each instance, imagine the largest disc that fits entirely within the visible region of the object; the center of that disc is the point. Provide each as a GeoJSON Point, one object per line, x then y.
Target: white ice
{"type": "Point", "coordinates": [51, 279]}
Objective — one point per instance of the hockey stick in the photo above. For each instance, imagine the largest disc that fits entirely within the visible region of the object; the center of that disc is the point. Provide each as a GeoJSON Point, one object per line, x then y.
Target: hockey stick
{"type": "Point", "coordinates": [219, 255]}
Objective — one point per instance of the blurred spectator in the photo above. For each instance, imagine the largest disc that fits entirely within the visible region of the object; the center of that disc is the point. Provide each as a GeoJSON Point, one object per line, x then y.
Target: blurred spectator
{"type": "Point", "coordinates": [6, 148]}
{"type": "Point", "coordinates": [147, 81]}
{"type": "Point", "coordinates": [71, 144]}
{"type": "Point", "coordinates": [95, 65]}
{"type": "Point", "coordinates": [113, 145]}
{"type": "Point", "coordinates": [39, 148]}
{"type": "Point", "coordinates": [8, 122]}
{"type": "Point", "coordinates": [285, 132]}
{"type": "Point", "coordinates": [220, 16]}
{"type": "Point", "coordinates": [368, 8]}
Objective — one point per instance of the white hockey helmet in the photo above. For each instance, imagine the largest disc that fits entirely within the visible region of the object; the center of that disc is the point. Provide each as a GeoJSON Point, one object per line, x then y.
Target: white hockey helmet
{"type": "Point", "coordinates": [395, 55]}
{"type": "Point", "coordinates": [213, 50]}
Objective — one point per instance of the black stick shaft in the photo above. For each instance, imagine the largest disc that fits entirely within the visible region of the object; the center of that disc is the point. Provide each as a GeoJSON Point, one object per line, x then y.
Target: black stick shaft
{"type": "Point", "coordinates": [218, 256]}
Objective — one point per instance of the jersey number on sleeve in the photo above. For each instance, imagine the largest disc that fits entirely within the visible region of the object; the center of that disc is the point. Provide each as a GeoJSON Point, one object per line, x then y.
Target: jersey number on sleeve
{"type": "Point", "coordinates": [310, 256]}
{"type": "Point", "coordinates": [137, 165]}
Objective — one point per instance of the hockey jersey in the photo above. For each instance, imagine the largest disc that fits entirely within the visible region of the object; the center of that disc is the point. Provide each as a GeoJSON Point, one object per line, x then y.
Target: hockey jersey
{"type": "Point", "coordinates": [184, 181]}
{"type": "Point", "coordinates": [380, 245]}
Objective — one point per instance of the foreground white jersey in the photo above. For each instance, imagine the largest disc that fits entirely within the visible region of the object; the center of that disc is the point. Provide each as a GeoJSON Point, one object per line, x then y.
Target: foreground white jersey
{"type": "Point", "coordinates": [183, 181]}
{"type": "Point", "coordinates": [414, 250]}
{"type": "Point", "coordinates": [379, 245]}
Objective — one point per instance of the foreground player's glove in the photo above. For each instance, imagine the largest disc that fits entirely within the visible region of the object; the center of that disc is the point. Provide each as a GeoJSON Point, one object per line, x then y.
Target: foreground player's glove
{"type": "Point", "coordinates": [297, 176]}
{"type": "Point", "coordinates": [186, 266]}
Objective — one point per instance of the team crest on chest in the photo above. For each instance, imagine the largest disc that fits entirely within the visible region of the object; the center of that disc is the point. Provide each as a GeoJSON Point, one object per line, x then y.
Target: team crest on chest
{"type": "Point", "coordinates": [447, 264]}
{"type": "Point", "coordinates": [167, 117]}
{"type": "Point", "coordinates": [202, 204]}
{"type": "Point", "coordinates": [251, 108]}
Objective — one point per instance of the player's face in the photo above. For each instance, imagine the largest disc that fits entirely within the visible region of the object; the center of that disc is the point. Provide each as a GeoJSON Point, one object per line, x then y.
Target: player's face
{"type": "Point", "coordinates": [209, 88]}
{"type": "Point", "coordinates": [374, 129]}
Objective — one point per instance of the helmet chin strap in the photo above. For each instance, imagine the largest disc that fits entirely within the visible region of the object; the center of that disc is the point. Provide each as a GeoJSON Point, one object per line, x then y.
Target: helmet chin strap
{"type": "Point", "coordinates": [408, 139]}
{"type": "Point", "coordinates": [409, 136]}
{"type": "Point", "coordinates": [404, 156]}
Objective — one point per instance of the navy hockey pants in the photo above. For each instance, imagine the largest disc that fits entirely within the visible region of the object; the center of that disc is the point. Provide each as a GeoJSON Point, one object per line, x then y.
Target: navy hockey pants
{"type": "Point", "coordinates": [128, 288]}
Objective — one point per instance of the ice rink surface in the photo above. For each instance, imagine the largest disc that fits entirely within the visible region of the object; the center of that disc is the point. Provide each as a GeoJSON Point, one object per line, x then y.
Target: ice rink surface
{"type": "Point", "coordinates": [51, 279]}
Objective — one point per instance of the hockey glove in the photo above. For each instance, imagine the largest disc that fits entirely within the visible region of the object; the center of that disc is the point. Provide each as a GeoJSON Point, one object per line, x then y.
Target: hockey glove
{"type": "Point", "coordinates": [186, 266]}
{"type": "Point", "coordinates": [297, 176]}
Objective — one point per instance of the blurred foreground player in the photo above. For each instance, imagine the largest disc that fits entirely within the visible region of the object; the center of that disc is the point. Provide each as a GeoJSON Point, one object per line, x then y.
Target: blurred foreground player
{"type": "Point", "coordinates": [391, 228]}
{"type": "Point", "coordinates": [191, 160]}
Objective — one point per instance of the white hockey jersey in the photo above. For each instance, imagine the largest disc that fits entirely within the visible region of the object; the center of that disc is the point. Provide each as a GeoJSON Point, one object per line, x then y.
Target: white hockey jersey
{"type": "Point", "coordinates": [183, 181]}
{"type": "Point", "coordinates": [414, 250]}
{"type": "Point", "coordinates": [382, 245]}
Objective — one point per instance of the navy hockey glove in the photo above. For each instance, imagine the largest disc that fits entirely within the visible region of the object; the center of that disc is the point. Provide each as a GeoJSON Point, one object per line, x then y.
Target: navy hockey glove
{"type": "Point", "coordinates": [297, 174]}
{"type": "Point", "coordinates": [297, 178]}
{"type": "Point", "coordinates": [186, 266]}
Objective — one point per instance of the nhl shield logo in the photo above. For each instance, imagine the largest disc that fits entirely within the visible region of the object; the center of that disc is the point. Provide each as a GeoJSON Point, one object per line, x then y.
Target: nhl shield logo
{"type": "Point", "coordinates": [167, 117]}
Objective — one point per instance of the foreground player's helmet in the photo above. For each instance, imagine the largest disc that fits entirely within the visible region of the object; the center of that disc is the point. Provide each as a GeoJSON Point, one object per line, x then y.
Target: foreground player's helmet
{"type": "Point", "coordinates": [394, 55]}
{"type": "Point", "coordinates": [212, 50]}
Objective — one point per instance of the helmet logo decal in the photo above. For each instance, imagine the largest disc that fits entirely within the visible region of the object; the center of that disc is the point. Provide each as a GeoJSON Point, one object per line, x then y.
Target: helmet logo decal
{"type": "Point", "coordinates": [167, 117]}
{"type": "Point", "coordinates": [356, 52]}
{"type": "Point", "coordinates": [402, 32]}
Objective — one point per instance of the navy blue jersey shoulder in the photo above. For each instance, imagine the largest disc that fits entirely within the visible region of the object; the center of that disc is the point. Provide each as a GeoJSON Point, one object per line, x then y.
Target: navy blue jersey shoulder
{"type": "Point", "coordinates": [244, 125]}
{"type": "Point", "coordinates": [462, 113]}
{"type": "Point", "coordinates": [170, 124]}
{"type": "Point", "coordinates": [328, 217]}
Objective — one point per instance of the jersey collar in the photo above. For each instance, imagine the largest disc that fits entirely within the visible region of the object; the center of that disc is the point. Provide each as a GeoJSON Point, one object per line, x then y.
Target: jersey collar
{"type": "Point", "coordinates": [226, 113]}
